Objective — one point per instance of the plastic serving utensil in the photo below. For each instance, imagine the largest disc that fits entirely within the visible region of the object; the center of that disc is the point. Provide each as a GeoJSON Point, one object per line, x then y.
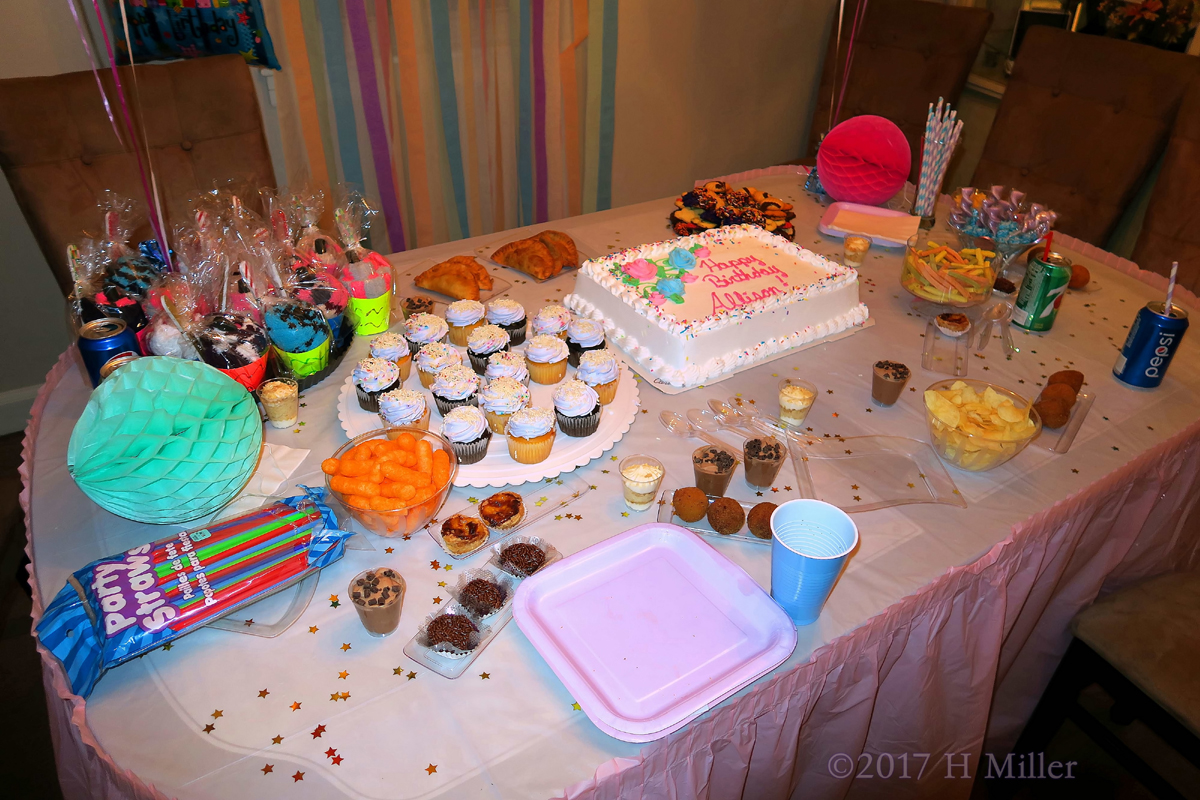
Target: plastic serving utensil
{"type": "Point", "coordinates": [677, 425]}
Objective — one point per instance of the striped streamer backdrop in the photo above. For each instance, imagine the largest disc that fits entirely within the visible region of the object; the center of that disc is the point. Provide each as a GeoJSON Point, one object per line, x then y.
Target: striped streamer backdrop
{"type": "Point", "coordinates": [460, 117]}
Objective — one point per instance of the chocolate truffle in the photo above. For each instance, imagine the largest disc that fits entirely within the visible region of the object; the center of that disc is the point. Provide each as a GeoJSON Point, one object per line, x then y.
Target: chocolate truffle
{"type": "Point", "coordinates": [522, 558]}
{"type": "Point", "coordinates": [452, 629]}
{"type": "Point", "coordinates": [482, 596]}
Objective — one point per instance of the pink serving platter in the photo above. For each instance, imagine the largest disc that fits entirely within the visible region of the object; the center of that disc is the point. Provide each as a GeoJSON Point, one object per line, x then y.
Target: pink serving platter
{"type": "Point", "coordinates": [651, 628]}
{"type": "Point", "coordinates": [876, 211]}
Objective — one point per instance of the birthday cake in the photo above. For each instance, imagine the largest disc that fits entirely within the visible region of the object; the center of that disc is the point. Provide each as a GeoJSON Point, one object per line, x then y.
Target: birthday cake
{"type": "Point", "coordinates": [691, 309]}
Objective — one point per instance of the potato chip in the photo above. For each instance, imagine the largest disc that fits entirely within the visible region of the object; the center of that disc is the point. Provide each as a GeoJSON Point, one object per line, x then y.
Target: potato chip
{"type": "Point", "coordinates": [942, 408]}
{"type": "Point", "coordinates": [976, 430]}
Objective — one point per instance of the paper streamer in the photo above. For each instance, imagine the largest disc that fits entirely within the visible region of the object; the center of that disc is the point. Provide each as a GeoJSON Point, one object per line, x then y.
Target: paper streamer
{"type": "Point", "coordinates": [338, 72]}
{"type": "Point", "coordinates": [444, 63]}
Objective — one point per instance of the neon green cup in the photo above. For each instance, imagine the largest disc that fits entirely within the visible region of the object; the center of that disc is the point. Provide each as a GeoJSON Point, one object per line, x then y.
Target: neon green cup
{"type": "Point", "coordinates": [370, 315]}
{"type": "Point", "coordinates": [307, 363]}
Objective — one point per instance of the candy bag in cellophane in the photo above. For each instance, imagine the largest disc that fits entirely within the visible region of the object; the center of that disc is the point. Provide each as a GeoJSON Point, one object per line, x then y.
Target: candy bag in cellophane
{"type": "Point", "coordinates": [367, 275]}
{"type": "Point", "coordinates": [127, 604]}
{"type": "Point", "coordinates": [93, 298]}
{"type": "Point", "coordinates": [313, 243]}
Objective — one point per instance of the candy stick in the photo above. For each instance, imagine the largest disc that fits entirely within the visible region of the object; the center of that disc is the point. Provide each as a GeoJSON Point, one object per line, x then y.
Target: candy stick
{"type": "Point", "coordinates": [219, 548]}
{"type": "Point", "coordinates": [1171, 286]}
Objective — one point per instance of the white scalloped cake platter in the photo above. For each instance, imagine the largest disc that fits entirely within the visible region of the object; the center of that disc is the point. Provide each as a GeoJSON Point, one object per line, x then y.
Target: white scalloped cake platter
{"type": "Point", "coordinates": [497, 468]}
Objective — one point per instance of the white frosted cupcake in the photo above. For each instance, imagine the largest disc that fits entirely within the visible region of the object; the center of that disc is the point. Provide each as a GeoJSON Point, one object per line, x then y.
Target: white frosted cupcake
{"type": "Point", "coordinates": [463, 317]}
{"type": "Point", "coordinates": [583, 335]}
{"type": "Point", "coordinates": [546, 359]}
{"type": "Point", "coordinates": [552, 321]}
{"type": "Point", "coordinates": [468, 433]}
{"type": "Point", "coordinates": [502, 398]}
{"type": "Point", "coordinates": [509, 315]}
{"type": "Point", "coordinates": [393, 347]}
{"type": "Point", "coordinates": [599, 370]}
{"type": "Point", "coordinates": [482, 342]}
{"type": "Point", "coordinates": [373, 377]}
{"type": "Point", "coordinates": [455, 386]}
{"type": "Point", "coordinates": [530, 434]}
{"type": "Point", "coordinates": [577, 408]}
{"type": "Point", "coordinates": [403, 407]}
{"type": "Point", "coordinates": [507, 364]}
{"type": "Point", "coordinates": [424, 329]}
{"type": "Point", "coordinates": [434, 358]}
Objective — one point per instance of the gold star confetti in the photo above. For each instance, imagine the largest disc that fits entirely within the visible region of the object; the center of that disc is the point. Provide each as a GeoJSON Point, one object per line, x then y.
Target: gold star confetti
{"type": "Point", "coordinates": [612, 458]}
{"type": "Point", "coordinates": [343, 675]}
{"type": "Point", "coordinates": [345, 646]}
{"type": "Point", "coordinates": [313, 629]}
{"type": "Point", "coordinates": [333, 697]}
{"type": "Point", "coordinates": [856, 497]}
{"type": "Point", "coordinates": [268, 768]}
{"type": "Point", "coordinates": [218, 714]}
{"type": "Point", "coordinates": [760, 494]}
{"type": "Point", "coordinates": [576, 706]}
{"type": "Point", "coordinates": [295, 706]}
{"type": "Point", "coordinates": [247, 622]}
{"type": "Point", "coordinates": [209, 728]}
{"type": "Point", "coordinates": [333, 598]}
{"type": "Point", "coordinates": [590, 486]}
{"type": "Point", "coordinates": [773, 489]}
{"type": "Point", "coordinates": [848, 452]}
{"type": "Point", "coordinates": [912, 486]}
{"type": "Point", "coordinates": [624, 513]}
{"type": "Point", "coordinates": [167, 646]}
{"type": "Point", "coordinates": [411, 675]}
{"type": "Point", "coordinates": [441, 583]}
{"type": "Point", "coordinates": [854, 486]}
{"type": "Point", "coordinates": [1075, 471]}
{"type": "Point", "coordinates": [540, 501]}
{"type": "Point", "coordinates": [472, 500]}
{"type": "Point", "coordinates": [484, 675]}
{"type": "Point", "coordinates": [604, 471]}
{"type": "Point", "coordinates": [389, 549]}
{"type": "Point", "coordinates": [398, 671]}
{"type": "Point", "coordinates": [276, 739]}
{"type": "Point", "coordinates": [408, 536]}
{"type": "Point", "coordinates": [787, 488]}
{"type": "Point", "coordinates": [263, 693]}
{"type": "Point", "coordinates": [432, 768]}
{"type": "Point", "coordinates": [448, 567]}
{"type": "Point", "coordinates": [557, 517]}
{"type": "Point", "coordinates": [437, 600]}
{"type": "Point", "coordinates": [345, 695]}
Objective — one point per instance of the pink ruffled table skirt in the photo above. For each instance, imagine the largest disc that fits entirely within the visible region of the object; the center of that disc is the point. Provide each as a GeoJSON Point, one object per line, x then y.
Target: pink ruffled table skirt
{"type": "Point", "coordinates": [939, 638]}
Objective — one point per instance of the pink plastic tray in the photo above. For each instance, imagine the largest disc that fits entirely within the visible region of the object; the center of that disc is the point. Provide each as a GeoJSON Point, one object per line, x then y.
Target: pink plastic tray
{"type": "Point", "coordinates": [651, 628]}
{"type": "Point", "coordinates": [832, 212]}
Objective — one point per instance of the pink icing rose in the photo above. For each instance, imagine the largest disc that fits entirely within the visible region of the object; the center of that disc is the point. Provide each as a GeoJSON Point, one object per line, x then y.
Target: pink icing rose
{"type": "Point", "coordinates": [701, 252]}
{"type": "Point", "coordinates": [688, 277]}
{"type": "Point", "coordinates": [640, 269]}
{"type": "Point", "coordinates": [657, 299]}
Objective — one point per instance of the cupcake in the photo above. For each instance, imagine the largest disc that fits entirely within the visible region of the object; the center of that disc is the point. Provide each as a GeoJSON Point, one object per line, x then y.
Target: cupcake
{"type": "Point", "coordinates": [482, 342]}
{"type": "Point", "coordinates": [577, 408]}
{"type": "Point", "coordinates": [500, 399]}
{"type": "Point", "coordinates": [455, 386]}
{"type": "Point", "coordinates": [509, 315]}
{"type": "Point", "coordinates": [546, 359]}
{"type": "Point", "coordinates": [464, 316]}
{"type": "Point", "coordinates": [423, 329]}
{"type": "Point", "coordinates": [404, 407]}
{"type": "Point", "coordinates": [599, 370]}
{"type": "Point", "coordinates": [552, 321]}
{"type": "Point", "coordinates": [507, 364]}
{"type": "Point", "coordinates": [583, 335]}
{"type": "Point", "coordinates": [392, 347]}
{"type": "Point", "coordinates": [373, 377]}
{"type": "Point", "coordinates": [434, 358]}
{"type": "Point", "coordinates": [468, 433]}
{"type": "Point", "coordinates": [530, 435]}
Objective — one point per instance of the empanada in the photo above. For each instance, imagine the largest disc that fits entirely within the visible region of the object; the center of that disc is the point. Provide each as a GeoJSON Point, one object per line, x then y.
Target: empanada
{"type": "Point", "coordinates": [450, 278]}
{"type": "Point", "coordinates": [562, 247]}
{"type": "Point", "coordinates": [481, 274]}
{"type": "Point", "coordinates": [529, 256]}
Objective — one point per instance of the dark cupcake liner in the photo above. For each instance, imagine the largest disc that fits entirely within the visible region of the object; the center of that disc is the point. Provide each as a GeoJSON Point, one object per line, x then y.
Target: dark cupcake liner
{"type": "Point", "coordinates": [576, 351]}
{"type": "Point", "coordinates": [515, 331]}
{"type": "Point", "coordinates": [445, 406]}
{"type": "Point", "coordinates": [369, 401]}
{"type": "Point", "coordinates": [472, 452]}
{"type": "Point", "coordinates": [579, 427]}
{"type": "Point", "coordinates": [479, 362]}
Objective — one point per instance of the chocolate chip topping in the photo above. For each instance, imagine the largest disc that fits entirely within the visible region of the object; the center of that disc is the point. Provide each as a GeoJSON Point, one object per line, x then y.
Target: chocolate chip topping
{"type": "Point", "coordinates": [892, 370]}
{"type": "Point", "coordinates": [721, 460]}
{"type": "Point", "coordinates": [418, 304]}
{"type": "Point", "coordinates": [522, 558]}
{"type": "Point", "coordinates": [482, 596]}
{"type": "Point", "coordinates": [452, 629]}
{"type": "Point", "coordinates": [764, 449]}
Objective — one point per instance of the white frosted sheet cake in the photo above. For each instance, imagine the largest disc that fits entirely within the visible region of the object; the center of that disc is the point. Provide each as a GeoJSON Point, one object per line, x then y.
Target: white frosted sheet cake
{"type": "Point", "coordinates": [693, 308]}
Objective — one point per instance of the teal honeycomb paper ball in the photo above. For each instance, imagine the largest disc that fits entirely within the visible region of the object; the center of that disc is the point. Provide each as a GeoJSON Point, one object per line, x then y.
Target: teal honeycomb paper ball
{"type": "Point", "coordinates": [165, 440]}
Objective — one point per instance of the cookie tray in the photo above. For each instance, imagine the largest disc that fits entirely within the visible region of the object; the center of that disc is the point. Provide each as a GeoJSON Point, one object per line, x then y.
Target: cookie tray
{"type": "Point", "coordinates": [541, 498]}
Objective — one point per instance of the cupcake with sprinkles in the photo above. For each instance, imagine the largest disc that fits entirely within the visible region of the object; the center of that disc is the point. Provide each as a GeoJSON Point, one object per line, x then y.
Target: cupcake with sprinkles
{"type": "Point", "coordinates": [483, 342]}
{"type": "Point", "coordinates": [530, 433]}
{"type": "Point", "coordinates": [468, 433]}
{"type": "Point", "coordinates": [577, 408]}
{"type": "Point", "coordinates": [552, 321]}
{"type": "Point", "coordinates": [434, 358]}
{"type": "Point", "coordinates": [455, 386]}
{"type": "Point", "coordinates": [509, 315]}
{"type": "Point", "coordinates": [463, 316]}
{"type": "Point", "coordinates": [546, 359]}
{"type": "Point", "coordinates": [599, 370]}
{"type": "Point", "coordinates": [507, 364]}
{"type": "Point", "coordinates": [424, 329]}
{"type": "Point", "coordinates": [583, 335]}
{"type": "Point", "coordinates": [392, 347]}
{"type": "Point", "coordinates": [373, 377]}
{"type": "Point", "coordinates": [502, 398]}
{"type": "Point", "coordinates": [403, 408]}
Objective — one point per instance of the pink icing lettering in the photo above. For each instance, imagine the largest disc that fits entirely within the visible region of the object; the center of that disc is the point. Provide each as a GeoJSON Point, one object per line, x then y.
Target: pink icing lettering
{"type": "Point", "coordinates": [728, 301]}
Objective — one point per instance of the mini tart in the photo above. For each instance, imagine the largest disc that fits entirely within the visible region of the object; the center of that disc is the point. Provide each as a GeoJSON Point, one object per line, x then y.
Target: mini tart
{"type": "Point", "coordinates": [462, 534]}
{"type": "Point", "coordinates": [502, 511]}
{"type": "Point", "coordinates": [952, 324]}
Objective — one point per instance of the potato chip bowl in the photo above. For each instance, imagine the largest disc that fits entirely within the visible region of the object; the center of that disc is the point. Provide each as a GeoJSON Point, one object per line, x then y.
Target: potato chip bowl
{"type": "Point", "coordinates": [976, 452]}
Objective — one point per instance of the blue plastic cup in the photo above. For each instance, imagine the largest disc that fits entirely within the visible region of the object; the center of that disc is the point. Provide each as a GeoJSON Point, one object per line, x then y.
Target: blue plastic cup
{"type": "Point", "coordinates": [810, 545]}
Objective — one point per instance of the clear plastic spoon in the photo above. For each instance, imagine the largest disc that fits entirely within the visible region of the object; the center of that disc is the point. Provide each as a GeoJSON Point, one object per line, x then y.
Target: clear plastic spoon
{"type": "Point", "coordinates": [677, 425]}
{"type": "Point", "coordinates": [711, 423]}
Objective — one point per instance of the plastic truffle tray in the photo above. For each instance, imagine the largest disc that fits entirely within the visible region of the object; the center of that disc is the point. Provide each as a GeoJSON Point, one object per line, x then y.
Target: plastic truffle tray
{"type": "Point", "coordinates": [452, 665]}
{"type": "Point", "coordinates": [666, 513]}
{"type": "Point", "coordinates": [540, 500]}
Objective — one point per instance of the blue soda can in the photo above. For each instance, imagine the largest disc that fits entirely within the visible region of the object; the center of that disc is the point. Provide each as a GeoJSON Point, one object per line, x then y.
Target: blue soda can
{"type": "Point", "coordinates": [1150, 345]}
{"type": "Point", "coordinates": [102, 341]}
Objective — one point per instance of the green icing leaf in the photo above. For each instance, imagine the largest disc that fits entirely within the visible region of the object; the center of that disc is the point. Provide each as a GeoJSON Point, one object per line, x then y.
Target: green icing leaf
{"type": "Point", "coordinates": [675, 298]}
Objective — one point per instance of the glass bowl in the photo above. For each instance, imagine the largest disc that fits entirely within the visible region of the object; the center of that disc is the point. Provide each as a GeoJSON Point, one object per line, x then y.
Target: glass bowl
{"type": "Point", "coordinates": [400, 518]}
{"type": "Point", "coordinates": [975, 452]}
{"type": "Point", "coordinates": [932, 271]}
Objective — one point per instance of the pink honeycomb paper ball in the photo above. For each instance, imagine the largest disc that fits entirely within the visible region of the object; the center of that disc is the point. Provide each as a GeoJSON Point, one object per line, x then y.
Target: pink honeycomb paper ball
{"type": "Point", "coordinates": [864, 160]}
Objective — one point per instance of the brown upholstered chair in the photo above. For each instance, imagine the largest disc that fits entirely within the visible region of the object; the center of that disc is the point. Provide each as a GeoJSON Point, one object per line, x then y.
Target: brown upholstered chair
{"type": "Point", "coordinates": [1171, 229]}
{"type": "Point", "coordinates": [1082, 121]}
{"type": "Point", "coordinates": [907, 54]}
{"type": "Point", "coordinates": [59, 151]}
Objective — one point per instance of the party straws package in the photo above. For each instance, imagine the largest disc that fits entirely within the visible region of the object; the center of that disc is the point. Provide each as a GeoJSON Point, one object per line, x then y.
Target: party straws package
{"type": "Point", "coordinates": [122, 606]}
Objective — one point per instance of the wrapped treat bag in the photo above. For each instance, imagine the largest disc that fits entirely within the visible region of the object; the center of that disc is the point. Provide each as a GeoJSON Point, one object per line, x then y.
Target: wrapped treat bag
{"type": "Point", "coordinates": [367, 275]}
{"type": "Point", "coordinates": [232, 341]}
{"type": "Point", "coordinates": [126, 270]}
{"type": "Point", "coordinates": [93, 299]}
{"type": "Point", "coordinates": [312, 282]}
{"type": "Point", "coordinates": [312, 242]}
{"type": "Point", "coordinates": [120, 607]}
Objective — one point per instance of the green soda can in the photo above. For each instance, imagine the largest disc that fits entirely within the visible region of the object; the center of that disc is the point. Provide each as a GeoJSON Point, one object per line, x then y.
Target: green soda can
{"type": "Point", "coordinates": [1041, 292]}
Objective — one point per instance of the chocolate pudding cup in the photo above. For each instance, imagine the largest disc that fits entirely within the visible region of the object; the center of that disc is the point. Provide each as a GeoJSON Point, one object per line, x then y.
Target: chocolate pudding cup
{"type": "Point", "coordinates": [713, 467]}
{"type": "Point", "coordinates": [887, 382]}
{"type": "Point", "coordinates": [764, 456]}
{"type": "Point", "coordinates": [378, 596]}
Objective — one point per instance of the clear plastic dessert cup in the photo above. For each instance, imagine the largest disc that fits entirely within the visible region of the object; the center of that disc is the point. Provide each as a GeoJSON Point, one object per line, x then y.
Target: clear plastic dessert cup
{"type": "Point", "coordinates": [796, 397]}
{"type": "Point", "coordinates": [854, 249]}
{"type": "Point", "coordinates": [378, 597]}
{"type": "Point", "coordinates": [713, 467]}
{"type": "Point", "coordinates": [641, 476]}
{"type": "Point", "coordinates": [280, 398]}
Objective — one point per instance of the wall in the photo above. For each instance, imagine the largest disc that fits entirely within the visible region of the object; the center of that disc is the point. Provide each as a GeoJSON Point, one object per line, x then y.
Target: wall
{"type": "Point", "coordinates": [33, 328]}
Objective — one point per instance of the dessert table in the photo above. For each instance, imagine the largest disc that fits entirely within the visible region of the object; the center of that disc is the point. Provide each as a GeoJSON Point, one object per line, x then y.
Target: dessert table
{"type": "Point", "coordinates": [938, 639]}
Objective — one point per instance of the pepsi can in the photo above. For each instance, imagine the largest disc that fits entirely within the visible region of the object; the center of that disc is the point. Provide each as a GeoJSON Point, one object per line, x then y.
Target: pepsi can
{"type": "Point", "coordinates": [103, 340]}
{"type": "Point", "coordinates": [1151, 344]}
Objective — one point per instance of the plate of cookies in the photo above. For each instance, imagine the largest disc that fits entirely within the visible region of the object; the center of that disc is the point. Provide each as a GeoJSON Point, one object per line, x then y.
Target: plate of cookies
{"type": "Point", "coordinates": [493, 519]}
